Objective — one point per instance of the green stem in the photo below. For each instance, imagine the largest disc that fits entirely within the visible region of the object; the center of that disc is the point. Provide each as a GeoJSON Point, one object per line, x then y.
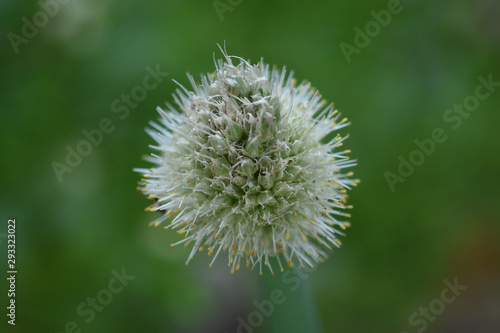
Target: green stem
{"type": "Point", "coordinates": [295, 310]}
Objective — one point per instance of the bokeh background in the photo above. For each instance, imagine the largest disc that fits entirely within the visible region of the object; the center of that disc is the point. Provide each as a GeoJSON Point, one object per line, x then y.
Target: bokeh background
{"type": "Point", "coordinates": [441, 223]}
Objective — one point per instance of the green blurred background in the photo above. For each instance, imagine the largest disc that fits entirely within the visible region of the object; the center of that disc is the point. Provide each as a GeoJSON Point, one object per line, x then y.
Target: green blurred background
{"type": "Point", "coordinates": [441, 223]}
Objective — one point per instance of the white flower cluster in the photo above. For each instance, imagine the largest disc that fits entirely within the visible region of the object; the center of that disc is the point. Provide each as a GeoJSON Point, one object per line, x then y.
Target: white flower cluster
{"type": "Point", "coordinates": [250, 167]}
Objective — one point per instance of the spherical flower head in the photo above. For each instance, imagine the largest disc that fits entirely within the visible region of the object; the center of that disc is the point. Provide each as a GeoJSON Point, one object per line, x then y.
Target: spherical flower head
{"type": "Point", "coordinates": [251, 166]}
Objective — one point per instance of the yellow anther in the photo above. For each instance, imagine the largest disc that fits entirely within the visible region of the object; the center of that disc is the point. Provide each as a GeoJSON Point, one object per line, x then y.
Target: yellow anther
{"type": "Point", "coordinates": [287, 236]}
{"type": "Point", "coordinates": [147, 175]}
{"type": "Point", "coordinates": [152, 196]}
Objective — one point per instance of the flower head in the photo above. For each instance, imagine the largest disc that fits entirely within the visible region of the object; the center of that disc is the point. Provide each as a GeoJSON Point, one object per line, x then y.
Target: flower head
{"type": "Point", "coordinates": [250, 166]}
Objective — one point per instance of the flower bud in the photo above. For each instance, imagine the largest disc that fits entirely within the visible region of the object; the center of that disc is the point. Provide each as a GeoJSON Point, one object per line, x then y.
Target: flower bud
{"type": "Point", "coordinates": [220, 166]}
{"type": "Point", "coordinates": [254, 148]}
{"type": "Point", "coordinates": [234, 131]}
{"type": "Point", "coordinates": [248, 167]}
{"type": "Point", "coordinates": [219, 144]}
{"type": "Point", "coordinates": [266, 181]}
